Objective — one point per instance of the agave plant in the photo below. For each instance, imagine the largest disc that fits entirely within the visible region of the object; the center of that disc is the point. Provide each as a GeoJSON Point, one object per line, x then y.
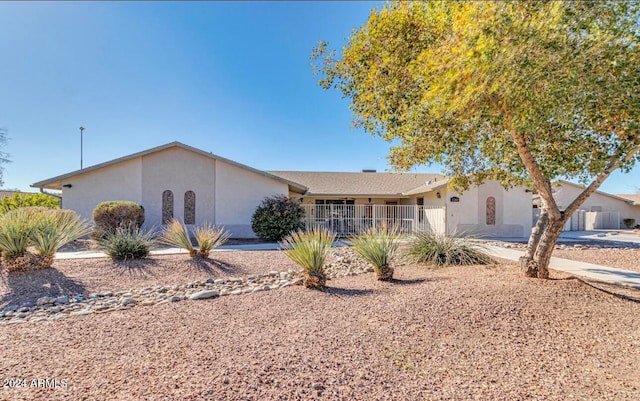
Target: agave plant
{"type": "Point", "coordinates": [53, 229]}
{"type": "Point", "coordinates": [177, 234]}
{"type": "Point", "coordinates": [378, 246]}
{"type": "Point", "coordinates": [126, 243]}
{"type": "Point", "coordinates": [444, 250]}
{"type": "Point", "coordinates": [309, 249]}
{"type": "Point", "coordinates": [209, 237]}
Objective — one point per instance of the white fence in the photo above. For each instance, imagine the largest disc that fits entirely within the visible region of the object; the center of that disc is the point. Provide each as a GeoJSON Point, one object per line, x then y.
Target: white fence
{"type": "Point", "coordinates": [354, 219]}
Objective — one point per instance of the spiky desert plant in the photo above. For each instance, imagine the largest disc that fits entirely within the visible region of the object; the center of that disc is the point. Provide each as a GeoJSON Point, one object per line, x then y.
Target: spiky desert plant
{"type": "Point", "coordinates": [309, 250]}
{"type": "Point", "coordinates": [127, 243]}
{"type": "Point", "coordinates": [16, 227]}
{"type": "Point", "coordinates": [176, 234]}
{"type": "Point", "coordinates": [209, 237]}
{"type": "Point", "coordinates": [378, 246]}
{"type": "Point", "coordinates": [54, 228]}
{"type": "Point", "coordinates": [444, 250]}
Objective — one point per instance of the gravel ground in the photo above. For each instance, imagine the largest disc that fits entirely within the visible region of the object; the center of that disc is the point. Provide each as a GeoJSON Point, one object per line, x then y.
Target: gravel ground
{"type": "Point", "coordinates": [459, 333]}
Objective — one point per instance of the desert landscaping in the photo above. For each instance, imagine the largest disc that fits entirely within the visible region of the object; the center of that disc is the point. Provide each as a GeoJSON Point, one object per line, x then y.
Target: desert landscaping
{"type": "Point", "coordinates": [458, 333]}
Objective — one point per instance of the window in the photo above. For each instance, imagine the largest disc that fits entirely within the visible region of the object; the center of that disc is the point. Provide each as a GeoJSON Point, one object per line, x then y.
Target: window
{"type": "Point", "coordinates": [491, 211]}
{"type": "Point", "coordinates": [167, 206]}
{"type": "Point", "coordinates": [420, 203]}
{"type": "Point", "coordinates": [189, 207]}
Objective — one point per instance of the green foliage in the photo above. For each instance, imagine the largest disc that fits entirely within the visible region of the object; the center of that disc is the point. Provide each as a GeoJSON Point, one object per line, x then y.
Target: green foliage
{"type": "Point", "coordinates": [16, 228]}
{"type": "Point", "coordinates": [27, 200]}
{"type": "Point", "coordinates": [108, 216]}
{"type": "Point", "coordinates": [30, 236]}
{"type": "Point", "coordinates": [629, 223]}
{"type": "Point", "coordinates": [54, 229]}
{"type": "Point", "coordinates": [443, 250]}
{"type": "Point", "coordinates": [523, 92]}
{"type": "Point", "coordinates": [497, 89]}
{"type": "Point", "coordinates": [378, 246]}
{"type": "Point", "coordinates": [126, 243]}
{"type": "Point", "coordinates": [309, 250]}
{"type": "Point", "coordinates": [276, 217]}
{"type": "Point", "coordinates": [209, 237]}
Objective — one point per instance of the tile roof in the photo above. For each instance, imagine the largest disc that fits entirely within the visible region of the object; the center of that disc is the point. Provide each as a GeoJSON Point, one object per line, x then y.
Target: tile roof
{"type": "Point", "coordinates": [362, 184]}
{"type": "Point", "coordinates": [7, 193]}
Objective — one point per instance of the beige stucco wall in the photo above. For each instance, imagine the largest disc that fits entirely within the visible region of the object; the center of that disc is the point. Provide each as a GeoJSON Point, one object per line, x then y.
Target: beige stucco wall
{"type": "Point", "coordinates": [225, 194]}
{"type": "Point", "coordinates": [178, 170]}
{"type": "Point", "coordinates": [565, 194]}
{"type": "Point", "coordinates": [116, 182]}
{"type": "Point", "coordinates": [238, 193]}
{"type": "Point", "coordinates": [513, 211]}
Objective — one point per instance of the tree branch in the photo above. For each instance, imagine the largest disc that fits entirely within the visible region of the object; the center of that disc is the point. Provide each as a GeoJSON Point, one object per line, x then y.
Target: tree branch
{"type": "Point", "coordinates": [541, 183]}
{"type": "Point", "coordinates": [614, 162]}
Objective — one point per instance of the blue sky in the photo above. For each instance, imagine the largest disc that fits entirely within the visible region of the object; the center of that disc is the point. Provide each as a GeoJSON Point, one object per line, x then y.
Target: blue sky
{"type": "Point", "coordinates": [232, 78]}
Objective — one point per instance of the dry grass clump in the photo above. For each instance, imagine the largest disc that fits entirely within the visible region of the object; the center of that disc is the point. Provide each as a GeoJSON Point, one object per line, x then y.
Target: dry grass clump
{"type": "Point", "coordinates": [378, 246]}
{"type": "Point", "coordinates": [444, 250]}
{"type": "Point", "coordinates": [207, 236]}
{"type": "Point", "coordinates": [309, 250]}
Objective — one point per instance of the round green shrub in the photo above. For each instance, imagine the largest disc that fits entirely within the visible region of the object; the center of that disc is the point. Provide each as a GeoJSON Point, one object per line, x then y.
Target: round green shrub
{"type": "Point", "coordinates": [108, 216]}
{"type": "Point", "coordinates": [276, 217]}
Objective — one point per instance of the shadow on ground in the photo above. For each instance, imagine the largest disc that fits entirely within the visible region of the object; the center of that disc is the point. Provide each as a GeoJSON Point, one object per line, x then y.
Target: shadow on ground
{"type": "Point", "coordinates": [214, 267]}
{"type": "Point", "coordinates": [25, 287]}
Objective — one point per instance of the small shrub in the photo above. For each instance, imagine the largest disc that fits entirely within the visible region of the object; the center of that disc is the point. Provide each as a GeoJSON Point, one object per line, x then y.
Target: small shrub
{"type": "Point", "coordinates": [108, 216]}
{"type": "Point", "coordinates": [30, 236]}
{"type": "Point", "coordinates": [276, 217]}
{"type": "Point", "coordinates": [126, 243]}
{"type": "Point", "coordinates": [629, 223]}
{"type": "Point", "coordinates": [19, 200]}
{"type": "Point", "coordinates": [208, 238]}
{"type": "Point", "coordinates": [309, 250]}
{"type": "Point", "coordinates": [378, 246]}
{"type": "Point", "coordinates": [176, 234]}
{"type": "Point", "coordinates": [16, 228]}
{"type": "Point", "coordinates": [54, 229]}
{"type": "Point", "coordinates": [443, 250]}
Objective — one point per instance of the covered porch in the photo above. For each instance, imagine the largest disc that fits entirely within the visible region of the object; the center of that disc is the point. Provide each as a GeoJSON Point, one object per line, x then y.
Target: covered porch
{"type": "Point", "coordinates": [351, 219]}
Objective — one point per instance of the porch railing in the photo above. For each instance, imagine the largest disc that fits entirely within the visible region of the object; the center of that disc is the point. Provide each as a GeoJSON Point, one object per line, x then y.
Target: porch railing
{"type": "Point", "coordinates": [354, 219]}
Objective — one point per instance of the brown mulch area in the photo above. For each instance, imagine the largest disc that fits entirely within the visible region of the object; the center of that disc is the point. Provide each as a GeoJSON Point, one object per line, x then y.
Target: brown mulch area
{"type": "Point", "coordinates": [457, 333]}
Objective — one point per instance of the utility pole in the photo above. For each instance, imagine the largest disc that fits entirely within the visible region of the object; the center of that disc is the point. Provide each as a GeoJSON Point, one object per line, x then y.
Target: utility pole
{"type": "Point", "coordinates": [81, 131]}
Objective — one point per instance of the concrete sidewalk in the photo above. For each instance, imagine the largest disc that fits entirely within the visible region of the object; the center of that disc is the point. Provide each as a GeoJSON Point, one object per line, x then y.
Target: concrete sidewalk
{"type": "Point", "coordinates": [596, 272]}
{"type": "Point", "coordinates": [169, 251]}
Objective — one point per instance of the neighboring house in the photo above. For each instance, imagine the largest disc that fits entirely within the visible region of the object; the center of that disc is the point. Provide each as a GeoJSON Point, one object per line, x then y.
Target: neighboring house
{"type": "Point", "coordinates": [600, 211]}
{"type": "Point", "coordinates": [176, 180]}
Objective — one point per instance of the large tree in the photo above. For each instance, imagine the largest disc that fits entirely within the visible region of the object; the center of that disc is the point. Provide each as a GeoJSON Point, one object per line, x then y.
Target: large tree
{"type": "Point", "coordinates": [515, 91]}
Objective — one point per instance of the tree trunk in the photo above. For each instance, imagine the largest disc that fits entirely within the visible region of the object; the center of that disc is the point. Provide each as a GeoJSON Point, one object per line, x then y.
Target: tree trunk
{"type": "Point", "coordinates": [527, 264]}
{"type": "Point", "coordinates": [546, 245]}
